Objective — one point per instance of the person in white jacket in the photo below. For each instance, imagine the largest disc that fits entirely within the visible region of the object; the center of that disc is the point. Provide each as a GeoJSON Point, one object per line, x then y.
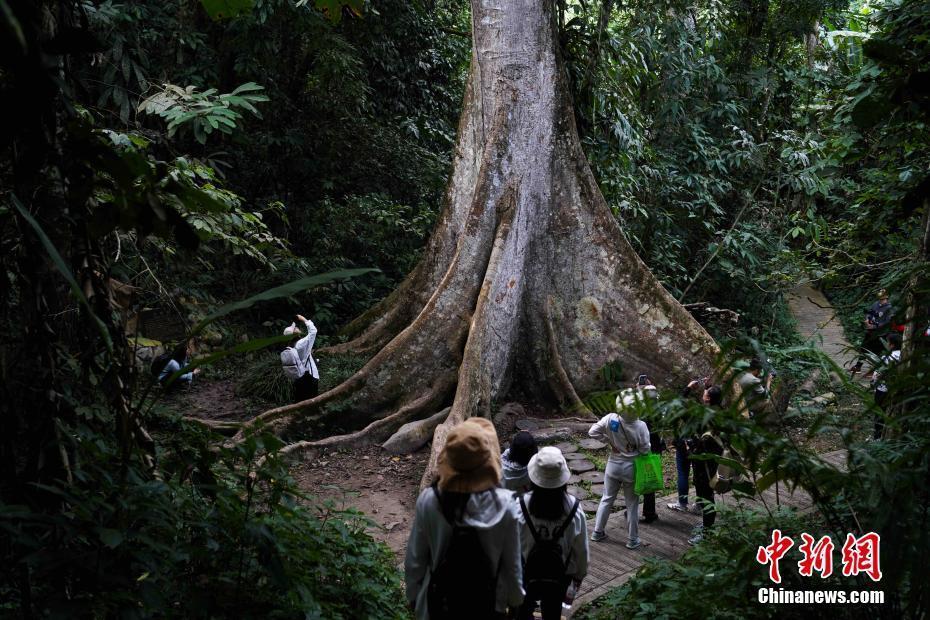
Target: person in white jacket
{"type": "Point", "coordinates": [628, 437]}
{"type": "Point", "coordinates": [466, 501]}
{"type": "Point", "coordinates": [549, 513]}
{"type": "Point", "coordinates": [298, 363]}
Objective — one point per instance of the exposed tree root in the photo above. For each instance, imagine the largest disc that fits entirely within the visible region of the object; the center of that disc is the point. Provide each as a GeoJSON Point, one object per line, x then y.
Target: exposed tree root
{"type": "Point", "coordinates": [380, 430]}
{"type": "Point", "coordinates": [313, 405]}
{"type": "Point", "coordinates": [378, 325]}
{"type": "Point", "coordinates": [221, 427]}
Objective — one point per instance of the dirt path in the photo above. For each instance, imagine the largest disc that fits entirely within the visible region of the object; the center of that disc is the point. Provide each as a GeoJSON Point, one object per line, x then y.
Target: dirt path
{"type": "Point", "coordinates": [213, 399]}
{"type": "Point", "coordinates": [382, 486]}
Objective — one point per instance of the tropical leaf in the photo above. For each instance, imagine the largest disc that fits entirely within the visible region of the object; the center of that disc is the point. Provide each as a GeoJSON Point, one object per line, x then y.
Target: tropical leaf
{"type": "Point", "coordinates": [244, 347]}
{"type": "Point", "coordinates": [285, 290]}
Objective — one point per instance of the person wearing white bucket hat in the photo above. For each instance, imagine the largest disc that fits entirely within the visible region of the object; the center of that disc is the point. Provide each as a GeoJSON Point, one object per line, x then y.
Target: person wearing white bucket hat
{"type": "Point", "coordinates": [297, 360]}
{"type": "Point", "coordinates": [554, 536]}
{"type": "Point", "coordinates": [628, 437]}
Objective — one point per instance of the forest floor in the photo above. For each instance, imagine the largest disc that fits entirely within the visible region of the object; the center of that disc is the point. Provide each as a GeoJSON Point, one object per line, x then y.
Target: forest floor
{"type": "Point", "coordinates": [217, 400]}
{"type": "Point", "coordinates": [370, 480]}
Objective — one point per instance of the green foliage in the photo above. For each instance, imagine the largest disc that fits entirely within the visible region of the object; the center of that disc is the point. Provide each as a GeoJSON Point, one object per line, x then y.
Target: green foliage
{"type": "Point", "coordinates": [881, 490]}
{"type": "Point", "coordinates": [124, 60]}
{"type": "Point", "coordinates": [202, 112]}
{"type": "Point", "coordinates": [387, 233]}
{"type": "Point", "coordinates": [711, 580]}
{"type": "Point", "coordinates": [337, 368]}
{"type": "Point", "coordinates": [874, 118]}
{"type": "Point", "coordinates": [333, 8]}
{"type": "Point", "coordinates": [692, 121]}
{"type": "Point", "coordinates": [214, 536]}
{"type": "Point", "coordinates": [285, 290]}
{"type": "Point", "coordinates": [97, 519]}
{"type": "Point", "coordinates": [223, 9]}
{"type": "Point", "coordinates": [263, 379]}
{"type": "Point", "coordinates": [359, 133]}
{"type": "Point", "coordinates": [63, 269]}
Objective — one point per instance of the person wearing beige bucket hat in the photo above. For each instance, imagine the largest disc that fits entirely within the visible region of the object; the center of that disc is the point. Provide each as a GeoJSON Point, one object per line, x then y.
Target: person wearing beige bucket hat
{"type": "Point", "coordinates": [470, 462]}
{"type": "Point", "coordinates": [463, 554]}
{"type": "Point", "coordinates": [554, 537]}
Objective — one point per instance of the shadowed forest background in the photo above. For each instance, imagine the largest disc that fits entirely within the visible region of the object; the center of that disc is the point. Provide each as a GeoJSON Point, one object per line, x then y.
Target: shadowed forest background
{"type": "Point", "coordinates": [162, 161]}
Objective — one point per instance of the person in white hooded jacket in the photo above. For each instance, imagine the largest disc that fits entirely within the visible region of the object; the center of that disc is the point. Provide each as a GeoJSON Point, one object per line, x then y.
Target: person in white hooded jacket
{"type": "Point", "coordinates": [466, 495]}
{"type": "Point", "coordinates": [297, 360]}
{"type": "Point", "coordinates": [628, 437]}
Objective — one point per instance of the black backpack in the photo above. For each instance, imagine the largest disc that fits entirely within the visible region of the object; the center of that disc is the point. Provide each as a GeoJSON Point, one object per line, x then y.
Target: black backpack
{"type": "Point", "coordinates": [464, 584]}
{"type": "Point", "coordinates": [159, 363]}
{"type": "Point", "coordinates": [544, 569]}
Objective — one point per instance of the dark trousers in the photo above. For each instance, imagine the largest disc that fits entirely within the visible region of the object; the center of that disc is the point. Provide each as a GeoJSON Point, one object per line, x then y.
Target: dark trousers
{"type": "Point", "coordinates": [703, 472]}
{"type": "Point", "coordinates": [649, 499]}
{"type": "Point", "coordinates": [550, 602]}
{"type": "Point", "coordinates": [872, 343]}
{"type": "Point", "coordinates": [306, 387]}
{"type": "Point", "coordinates": [683, 465]}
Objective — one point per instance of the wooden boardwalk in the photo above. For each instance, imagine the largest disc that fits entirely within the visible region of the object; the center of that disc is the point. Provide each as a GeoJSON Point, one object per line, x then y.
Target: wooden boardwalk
{"type": "Point", "coordinates": [817, 322]}
{"type": "Point", "coordinates": [611, 564]}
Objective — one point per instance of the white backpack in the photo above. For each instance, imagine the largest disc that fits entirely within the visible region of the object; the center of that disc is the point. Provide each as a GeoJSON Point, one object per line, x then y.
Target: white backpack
{"type": "Point", "coordinates": [290, 361]}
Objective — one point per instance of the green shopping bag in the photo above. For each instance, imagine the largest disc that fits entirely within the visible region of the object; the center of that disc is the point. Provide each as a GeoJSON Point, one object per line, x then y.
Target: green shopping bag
{"type": "Point", "coordinates": [648, 477]}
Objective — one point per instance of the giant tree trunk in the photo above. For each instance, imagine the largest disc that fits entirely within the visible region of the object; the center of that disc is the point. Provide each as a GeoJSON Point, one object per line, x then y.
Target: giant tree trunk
{"type": "Point", "coordinates": [527, 284]}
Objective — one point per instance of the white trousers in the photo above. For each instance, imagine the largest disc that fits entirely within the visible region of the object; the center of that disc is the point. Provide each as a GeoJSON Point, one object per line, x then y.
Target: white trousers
{"type": "Point", "coordinates": [617, 474]}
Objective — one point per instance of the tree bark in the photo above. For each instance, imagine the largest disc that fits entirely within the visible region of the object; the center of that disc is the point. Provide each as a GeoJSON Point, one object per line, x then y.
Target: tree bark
{"type": "Point", "coordinates": [915, 319]}
{"type": "Point", "coordinates": [528, 284]}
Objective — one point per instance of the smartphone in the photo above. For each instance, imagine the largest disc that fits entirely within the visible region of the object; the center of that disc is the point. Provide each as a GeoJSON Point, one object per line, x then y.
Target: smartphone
{"type": "Point", "coordinates": [643, 380]}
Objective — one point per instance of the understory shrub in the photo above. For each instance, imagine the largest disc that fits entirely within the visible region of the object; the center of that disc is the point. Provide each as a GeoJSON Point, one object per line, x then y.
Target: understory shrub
{"type": "Point", "coordinates": [719, 578]}
{"type": "Point", "coordinates": [337, 368]}
{"type": "Point", "coordinates": [264, 379]}
{"type": "Point", "coordinates": [212, 535]}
